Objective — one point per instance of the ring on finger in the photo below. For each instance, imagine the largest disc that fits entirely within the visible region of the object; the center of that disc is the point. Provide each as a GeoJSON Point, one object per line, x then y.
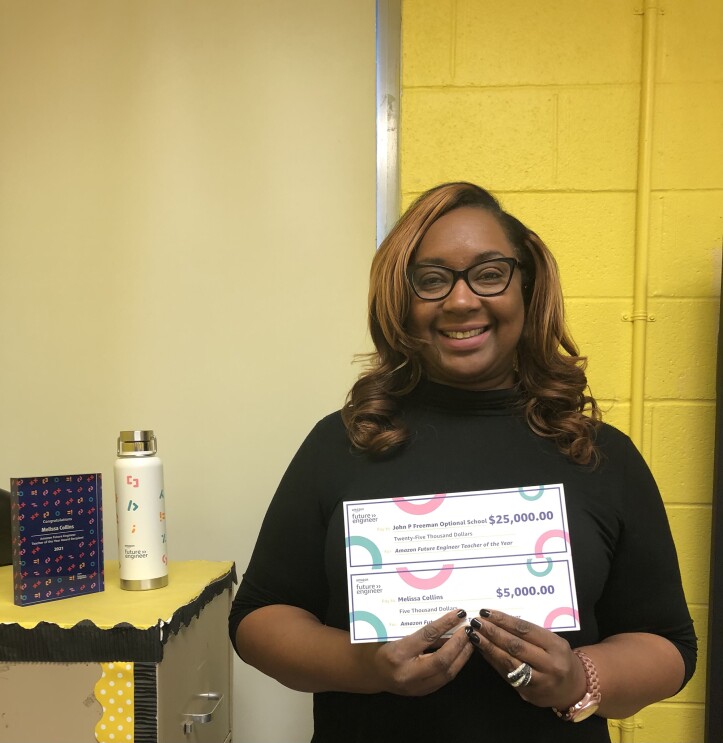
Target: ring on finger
{"type": "Point", "coordinates": [524, 679]}
{"type": "Point", "coordinates": [517, 672]}
{"type": "Point", "coordinates": [521, 676]}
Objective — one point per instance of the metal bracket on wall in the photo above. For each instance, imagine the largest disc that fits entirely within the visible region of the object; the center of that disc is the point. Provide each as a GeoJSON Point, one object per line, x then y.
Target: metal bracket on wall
{"type": "Point", "coordinates": [635, 316]}
{"type": "Point", "coordinates": [641, 11]}
{"type": "Point", "coordinates": [626, 726]}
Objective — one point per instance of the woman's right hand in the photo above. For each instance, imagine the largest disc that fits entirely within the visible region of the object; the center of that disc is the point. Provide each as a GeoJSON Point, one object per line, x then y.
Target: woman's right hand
{"type": "Point", "coordinates": [407, 667]}
{"type": "Point", "coordinates": [291, 645]}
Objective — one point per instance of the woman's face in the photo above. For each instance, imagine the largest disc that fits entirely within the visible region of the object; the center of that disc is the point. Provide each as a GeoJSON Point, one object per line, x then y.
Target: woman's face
{"type": "Point", "coordinates": [471, 340]}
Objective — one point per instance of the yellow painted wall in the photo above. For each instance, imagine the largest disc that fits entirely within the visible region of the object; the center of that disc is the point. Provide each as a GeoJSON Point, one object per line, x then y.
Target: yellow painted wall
{"type": "Point", "coordinates": [539, 103]}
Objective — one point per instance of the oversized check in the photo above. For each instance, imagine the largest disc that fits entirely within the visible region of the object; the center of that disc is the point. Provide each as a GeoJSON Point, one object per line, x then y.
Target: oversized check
{"type": "Point", "coordinates": [411, 559]}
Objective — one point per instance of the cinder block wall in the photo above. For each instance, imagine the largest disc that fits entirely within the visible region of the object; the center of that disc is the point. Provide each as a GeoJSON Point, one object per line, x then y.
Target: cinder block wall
{"type": "Point", "coordinates": [539, 102]}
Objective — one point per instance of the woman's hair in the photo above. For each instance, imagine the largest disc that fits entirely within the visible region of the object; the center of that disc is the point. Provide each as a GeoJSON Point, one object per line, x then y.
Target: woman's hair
{"type": "Point", "coordinates": [550, 372]}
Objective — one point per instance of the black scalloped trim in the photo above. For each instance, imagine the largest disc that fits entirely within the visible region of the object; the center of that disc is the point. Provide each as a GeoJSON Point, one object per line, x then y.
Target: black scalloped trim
{"type": "Point", "coordinates": [145, 702]}
{"type": "Point", "coordinates": [85, 642]}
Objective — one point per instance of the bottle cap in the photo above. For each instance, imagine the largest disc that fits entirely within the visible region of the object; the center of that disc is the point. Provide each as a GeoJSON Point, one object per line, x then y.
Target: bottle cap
{"type": "Point", "coordinates": [137, 444]}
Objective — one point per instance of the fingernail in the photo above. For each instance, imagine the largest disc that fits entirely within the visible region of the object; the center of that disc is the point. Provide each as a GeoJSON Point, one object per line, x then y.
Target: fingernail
{"type": "Point", "coordinates": [484, 612]}
{"type": "Point", "coordinates": [471, 636]}
{"type": "Point", "coordinates": [476, 623]}
{"type": "Point", "coordinates": [461, 613]}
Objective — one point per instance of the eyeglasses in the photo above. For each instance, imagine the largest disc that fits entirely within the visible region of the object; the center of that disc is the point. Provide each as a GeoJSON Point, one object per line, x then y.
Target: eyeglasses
{"type": "Point", "coordinates": [485, 279]}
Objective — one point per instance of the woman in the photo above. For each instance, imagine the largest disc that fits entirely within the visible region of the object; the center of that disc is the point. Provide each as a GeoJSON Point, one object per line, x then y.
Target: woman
{"type": "Point", "coordinates": [475, 385]}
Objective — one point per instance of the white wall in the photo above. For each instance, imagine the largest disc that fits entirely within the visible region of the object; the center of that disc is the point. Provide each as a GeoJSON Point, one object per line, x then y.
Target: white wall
{"type": "Point", "coordinates": [186, 224]}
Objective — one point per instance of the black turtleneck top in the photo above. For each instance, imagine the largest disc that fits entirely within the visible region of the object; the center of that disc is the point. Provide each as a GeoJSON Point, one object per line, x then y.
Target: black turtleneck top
{"type": "Point", "coordinates": [626, 569]}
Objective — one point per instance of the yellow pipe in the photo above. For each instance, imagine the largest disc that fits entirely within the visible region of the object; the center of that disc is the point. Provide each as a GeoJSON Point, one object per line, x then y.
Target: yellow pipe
{"type": "Point", "coordinates": [640, 316]}
{"type": "Point", "coordinates": [642, 222]}
{"type": "Point", "coordinates": [627, 728]}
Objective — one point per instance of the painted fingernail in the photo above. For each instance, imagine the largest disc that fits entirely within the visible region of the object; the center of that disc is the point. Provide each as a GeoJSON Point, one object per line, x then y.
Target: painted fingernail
{"type": "Point", "coordinates": [476, 623]}
{"type": "Point", "coordinates": [471, 636]}
{"type": "Point", "coordinates": [484, 612]}
{"type": "Point", "coordinates": [461, 613]}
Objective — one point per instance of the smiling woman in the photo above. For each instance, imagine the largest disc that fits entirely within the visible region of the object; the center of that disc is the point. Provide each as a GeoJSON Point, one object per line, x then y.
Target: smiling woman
{"type": "Point", "coordinates": [474, 386]}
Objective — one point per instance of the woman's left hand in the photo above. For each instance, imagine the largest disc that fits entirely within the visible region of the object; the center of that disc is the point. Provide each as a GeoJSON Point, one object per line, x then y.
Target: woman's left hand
{"type": "Point", "coordinates": [557, 676]}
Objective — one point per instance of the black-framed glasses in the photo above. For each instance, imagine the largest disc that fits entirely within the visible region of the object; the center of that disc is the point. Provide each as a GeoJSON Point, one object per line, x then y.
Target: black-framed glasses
{"type": "Point", "coordinates": [485, 279]}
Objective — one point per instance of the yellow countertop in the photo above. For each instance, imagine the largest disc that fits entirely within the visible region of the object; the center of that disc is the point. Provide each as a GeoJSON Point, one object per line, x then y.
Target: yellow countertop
{"type": "Point", "coordinates": [141, 609]}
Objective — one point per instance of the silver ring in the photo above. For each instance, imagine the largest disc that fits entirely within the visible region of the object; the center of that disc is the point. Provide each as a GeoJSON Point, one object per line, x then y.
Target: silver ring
{"type": "Point", "coordinates": [528, 677]}
{"type": "Point", "coordinates": [521, 676]}
{"type": "Point", "coordinates": [519, 671]}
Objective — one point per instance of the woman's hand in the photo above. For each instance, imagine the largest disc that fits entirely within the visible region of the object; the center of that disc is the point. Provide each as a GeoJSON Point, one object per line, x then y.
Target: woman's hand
{"type": "Point", "coordinates": [294, 647]}
{"type": "Point", "coordinates": [635, 669]}
{"type": "Point", "coordinates": [506, 642]}
{"type": "Point", "coordinates": [407, 667]}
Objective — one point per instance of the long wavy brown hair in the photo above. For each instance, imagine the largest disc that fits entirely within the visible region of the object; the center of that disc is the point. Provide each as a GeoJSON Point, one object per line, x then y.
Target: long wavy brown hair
{"type": "Point", "coordinates": [550, 372]}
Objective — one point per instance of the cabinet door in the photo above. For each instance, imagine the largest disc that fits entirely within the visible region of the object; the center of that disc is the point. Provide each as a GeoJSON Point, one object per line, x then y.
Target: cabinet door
{"type": "Point", "coordinates": [40, 702]}
{"type": "Point", "coordinates": [195, 676]}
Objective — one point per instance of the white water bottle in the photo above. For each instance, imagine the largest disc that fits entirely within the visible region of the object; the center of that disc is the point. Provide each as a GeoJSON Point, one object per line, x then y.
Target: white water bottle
{"type": "Point", "coordinates": [141, 512]}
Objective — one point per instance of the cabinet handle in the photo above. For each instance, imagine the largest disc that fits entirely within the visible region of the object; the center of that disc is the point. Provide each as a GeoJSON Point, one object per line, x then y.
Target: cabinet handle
{"type": "Point", "coordinates": [204, 705]}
